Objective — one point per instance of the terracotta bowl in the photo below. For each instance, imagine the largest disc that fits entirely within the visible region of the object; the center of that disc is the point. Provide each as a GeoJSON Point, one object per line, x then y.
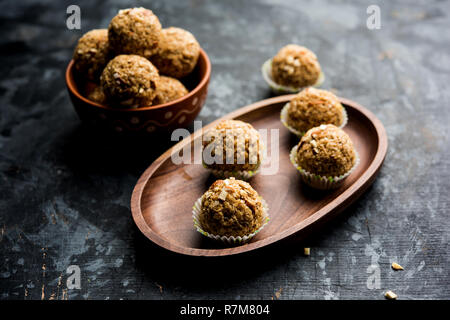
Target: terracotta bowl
{"type": "Point", "coordinates": [164, 117]}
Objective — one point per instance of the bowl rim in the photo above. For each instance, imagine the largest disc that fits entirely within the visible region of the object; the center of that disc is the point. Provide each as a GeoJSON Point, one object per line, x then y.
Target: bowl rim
{"type": "Point", "coordinates": [201, 84]}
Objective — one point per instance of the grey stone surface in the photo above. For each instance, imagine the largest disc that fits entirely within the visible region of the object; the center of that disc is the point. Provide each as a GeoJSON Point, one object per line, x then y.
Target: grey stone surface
{"type": "Point", "coordinates": [64, 195]}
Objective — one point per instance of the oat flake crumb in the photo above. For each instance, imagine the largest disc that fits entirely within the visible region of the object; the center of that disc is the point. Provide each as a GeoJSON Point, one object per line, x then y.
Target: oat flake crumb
{"type": "Point", "coordinates": [390, 295]}
{"type": "Point", "coordinates": [396, 266]}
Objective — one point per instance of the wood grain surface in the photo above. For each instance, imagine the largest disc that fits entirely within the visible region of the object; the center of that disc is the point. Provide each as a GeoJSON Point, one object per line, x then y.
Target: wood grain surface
{"type": "Point", "coordinates": [164, 195]}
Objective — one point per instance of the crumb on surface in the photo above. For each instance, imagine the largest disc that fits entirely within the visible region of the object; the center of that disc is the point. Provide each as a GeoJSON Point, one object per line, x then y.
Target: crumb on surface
{"type": "Point", "coordinates": [390, 295]}
{"type": "Point", "coordinates": [396, 266]}
{"type": "Point", "coordinates": [278, 293]}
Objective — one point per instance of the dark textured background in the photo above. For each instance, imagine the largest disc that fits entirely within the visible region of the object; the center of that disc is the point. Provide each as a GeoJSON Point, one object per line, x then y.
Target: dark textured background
{"type": "Point", "coordinates": [64, 195]}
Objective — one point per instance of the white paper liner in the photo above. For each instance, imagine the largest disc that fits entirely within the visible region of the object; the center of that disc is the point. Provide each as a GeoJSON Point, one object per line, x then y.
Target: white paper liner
{"type": "Point", "coordinates": [266, 71]}
{"type": "Point", "coordinates": [321, 182]}
{"type": "Point", "coordinates": [196, 210]}
{"type": "Point", "coordinates": [284, 115]}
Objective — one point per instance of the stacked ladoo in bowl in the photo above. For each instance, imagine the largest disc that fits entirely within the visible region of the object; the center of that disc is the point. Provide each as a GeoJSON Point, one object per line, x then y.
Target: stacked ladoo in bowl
{"type": "Point", "coordinates": [128, 60]}
{"type": "Point", "coordinates": [136, 64]}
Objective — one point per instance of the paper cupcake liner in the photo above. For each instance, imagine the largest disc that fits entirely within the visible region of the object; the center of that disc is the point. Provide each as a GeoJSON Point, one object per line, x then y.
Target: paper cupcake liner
{"type": "Point", "coordinates": [317, 181]}
{"type": "Point", "coordinates": [196, 210]}
{"type": "Point", "coordinates": [284, 115]}
{"type": "Point", "coordinates": [266, 71]}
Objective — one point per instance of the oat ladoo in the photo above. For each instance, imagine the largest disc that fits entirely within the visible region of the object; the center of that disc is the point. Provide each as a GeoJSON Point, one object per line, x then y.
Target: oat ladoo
{"type": "Point", "coordinates": [169, 89]}
{"type": "Point", "coordinates": [233, 149]}
{"type": "Point", "coordinates": [325, 156]}
{"type": "Point", "coordinates": [91, 54]}
{"type": "Point", "coordinates": [295, 66]}
{"type": "Point", "coordinates": [177, 53]}
{"type": "Point", "coordinates": [135, 31]}
{"type": "Point", "coordinates": [97, 95]}
{"type": "Point", "coordinates": [231, 211]}
{"type": "Point", "coordinates": [312, 107]}
{"type": "Point", "coordinates": [129, 81]}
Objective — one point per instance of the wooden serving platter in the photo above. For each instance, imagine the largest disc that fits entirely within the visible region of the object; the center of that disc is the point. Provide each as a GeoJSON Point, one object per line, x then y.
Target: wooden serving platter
{"type": "Point", "coordinates": [163, 197]}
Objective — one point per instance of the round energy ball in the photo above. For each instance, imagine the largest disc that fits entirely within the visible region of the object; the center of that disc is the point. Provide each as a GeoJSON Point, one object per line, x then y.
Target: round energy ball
{"type": "Point", "coordinates": [169, 89]}
{"type": "Point", "coordinates": [177, 53]}
{"type": "Point", "coordinates": [232, 145]}
{"type": "Point", "coordinates": [313, 107]}
{"type": "Point", "coordinates": [92, 53]}
{"type": "Point", "coordinates": [326, 151]}
{"type": "Point", "coordinates": [135, 31]}
{"type": "Point", "coordinates": [295, 66]}
{"type": "Point", "coordinates": [231, 208]}
{"type": "Point", "coordinates": [129, 81]}
{"type": "Point", "coordinates": [96, 94]}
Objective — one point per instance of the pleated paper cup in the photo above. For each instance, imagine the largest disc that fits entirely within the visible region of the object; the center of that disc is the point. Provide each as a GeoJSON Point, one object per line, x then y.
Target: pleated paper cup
{"type": "Point", "coordinates": [266, 71]}
{"type": "Point", "coordinates": [284, 117]}
{"type": "Point", "coordinates": [317, 181]}
{"type": "Point", "coordinates": [196, 211]}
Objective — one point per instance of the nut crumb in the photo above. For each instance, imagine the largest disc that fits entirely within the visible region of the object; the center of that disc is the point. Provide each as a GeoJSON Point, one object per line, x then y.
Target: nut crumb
{"type": "Point", "coordinates": [396, 266]}
{"type": "Point", "coordinates": [390, 295]}
{"type": "Point", "coordinates": [278, 293]}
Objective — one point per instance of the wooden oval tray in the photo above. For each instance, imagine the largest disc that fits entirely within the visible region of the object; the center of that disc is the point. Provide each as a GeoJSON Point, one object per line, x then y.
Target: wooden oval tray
{"type": "Point", "coordinates": [163, 197]}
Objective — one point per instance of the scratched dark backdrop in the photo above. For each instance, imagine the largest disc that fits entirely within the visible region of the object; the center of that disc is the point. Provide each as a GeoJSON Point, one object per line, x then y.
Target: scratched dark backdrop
{"type": "Point", "coordinates": [64, 195]}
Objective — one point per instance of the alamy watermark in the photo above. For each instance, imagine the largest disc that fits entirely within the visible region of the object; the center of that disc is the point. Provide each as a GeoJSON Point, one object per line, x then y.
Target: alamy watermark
{"type": "Point", "coordinates": [374, 277]}
{"type": "Point", "coordinates": [73, 21]}
{"type": "Point", "coordinates": [230, 147]}
{"type": "Point", "coordinates": [373, 270]}
{"type": "Point", "coordinates": [74, 279]}
{"type": "Point", "coordinates": [374, 19]}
